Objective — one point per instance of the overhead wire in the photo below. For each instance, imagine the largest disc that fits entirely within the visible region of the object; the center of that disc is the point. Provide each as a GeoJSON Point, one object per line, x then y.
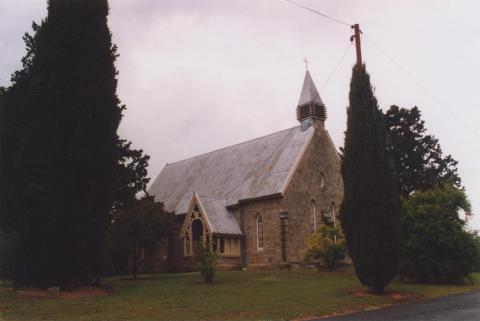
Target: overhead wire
{"type": "Point", "coordinates": [319, 13]}
{"type": "Point", "coordinates": [418, 83]}
{"type": "Point", "coordinates": [393, 61]}
{"type": "Point", "coordinates": [336, 66]}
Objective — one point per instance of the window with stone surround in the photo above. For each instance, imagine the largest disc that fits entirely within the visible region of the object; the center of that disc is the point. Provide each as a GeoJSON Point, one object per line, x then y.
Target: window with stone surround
{"type": "Point", "coordinates": [259, 233]}
{"type": "Point", "coordinates": [313, 217]}
{"type": "Point", "coordinates": [333, 213]}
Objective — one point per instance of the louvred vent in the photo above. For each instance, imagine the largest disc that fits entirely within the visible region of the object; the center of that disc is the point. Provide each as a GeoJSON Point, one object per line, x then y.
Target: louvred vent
{"type": "Point", "coordinates": [311, 110]}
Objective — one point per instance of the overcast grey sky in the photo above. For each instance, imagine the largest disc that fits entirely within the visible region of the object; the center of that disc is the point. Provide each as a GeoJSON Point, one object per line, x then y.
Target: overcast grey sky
{"type": "Point", "coordinates": [201, 75]}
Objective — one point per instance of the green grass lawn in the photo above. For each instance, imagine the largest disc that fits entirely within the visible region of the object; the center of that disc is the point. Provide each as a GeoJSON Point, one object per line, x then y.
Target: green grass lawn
{"type": "Point", "coordinates": [234, 296]}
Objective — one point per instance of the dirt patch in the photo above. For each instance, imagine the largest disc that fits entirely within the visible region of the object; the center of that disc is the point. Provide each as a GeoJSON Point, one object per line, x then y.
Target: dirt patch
{"type": "Point", "coordinates": [82, 292]}
{"type": "Point", "coordinates": [393, 295]}
{"type": "Point", "coordinates": [306, 318]}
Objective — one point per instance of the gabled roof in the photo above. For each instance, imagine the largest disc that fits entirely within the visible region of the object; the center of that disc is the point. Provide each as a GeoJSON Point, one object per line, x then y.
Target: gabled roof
{"type": "Point", "coordinates": [309, 92]}
{"type": "Point", "coordinates": [221, 220]}
{"type": "Point", "coordinates": [256, 168]}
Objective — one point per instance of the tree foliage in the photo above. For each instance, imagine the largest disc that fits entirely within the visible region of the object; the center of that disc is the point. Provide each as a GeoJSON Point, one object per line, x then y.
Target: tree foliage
{"type": "Point", "coordinates": [137, 230]}
{"type": "Point", "coordinates": [130, 175]}
{"type": "Point", "coordinates": [59, 122]}
{"type": "Point", "coordinates": [327, 245]}
{"type": "Point", "coordinates": [437, 248]}
{"type": "Point", "coordinates": [370, 209]}
{"type": "Point", "coordinates": [418, 160]}
{"type": "Point", "coordinates": [207, 261]}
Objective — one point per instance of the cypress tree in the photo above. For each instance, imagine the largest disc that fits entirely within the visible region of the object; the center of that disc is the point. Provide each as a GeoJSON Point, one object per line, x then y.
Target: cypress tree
{"type": "Point", "coordinates": [64, 165]}
{"type": "Point", "coordinates": [370, 209]}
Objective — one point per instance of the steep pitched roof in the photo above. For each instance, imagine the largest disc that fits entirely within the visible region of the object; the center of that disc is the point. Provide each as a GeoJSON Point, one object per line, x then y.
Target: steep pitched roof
{"type": "Point", "coordinates": [256, 168]}
{"type": "Point", "coordinates": [309, 92]}
{"type": "Point", "coordinates": [221, 220]}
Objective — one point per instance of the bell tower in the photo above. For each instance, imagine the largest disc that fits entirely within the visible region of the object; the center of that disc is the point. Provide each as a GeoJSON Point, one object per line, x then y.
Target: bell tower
{"type": "Point", "coordinates": [311, 110]}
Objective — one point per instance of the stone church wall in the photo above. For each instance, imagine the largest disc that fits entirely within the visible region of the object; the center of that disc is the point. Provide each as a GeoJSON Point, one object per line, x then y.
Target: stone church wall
{"type": "Point", "coordinates": [320, 161]}
{"type": "Point", "coordinates": [270, 211]}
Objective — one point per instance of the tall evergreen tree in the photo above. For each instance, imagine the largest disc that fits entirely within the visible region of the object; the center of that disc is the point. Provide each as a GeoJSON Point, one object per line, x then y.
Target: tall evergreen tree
{"type": "Point", "coordinates": [370, 209]}
{"type": "Point", "coordinates": [13, 119]}
{"type": "Point", "coordinates": [418, 160]}
{"type": "Point", "coordinates": [64, 161]}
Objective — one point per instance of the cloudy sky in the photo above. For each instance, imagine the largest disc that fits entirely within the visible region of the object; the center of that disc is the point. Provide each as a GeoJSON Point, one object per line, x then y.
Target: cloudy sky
{"type": "Point", "coordinates": [201, 75]}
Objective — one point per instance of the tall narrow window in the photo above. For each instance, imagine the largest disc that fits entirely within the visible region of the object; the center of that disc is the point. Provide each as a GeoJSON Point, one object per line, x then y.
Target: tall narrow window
{"type": "Point", "coordinates": [322, 180]}
{"type": "Point", "coordinates": [222, 245]}
{"type": "Point", "coordinates": [313, 218]}
{"type": "Point", "coordinates": [332, 212]}
{"type": "Point", "coordinates": [259, 232]}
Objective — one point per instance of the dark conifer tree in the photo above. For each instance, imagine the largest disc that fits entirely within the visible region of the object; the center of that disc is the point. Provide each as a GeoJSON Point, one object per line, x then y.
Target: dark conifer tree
{"type": "Point", "coordinates": [370, 209]}
{"type": "Point", "coordinates": [64, 164]}
{"type": "Point", "coordinates": [418, 160]}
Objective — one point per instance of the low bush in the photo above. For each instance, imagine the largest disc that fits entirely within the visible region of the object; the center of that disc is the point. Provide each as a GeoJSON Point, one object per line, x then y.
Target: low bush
{"type": "Point", "coordinates": [326, 246]}
{"type": "Point", "coordinates": [436, 246]}
{"type": "Point", "coordinates": [207, 261]}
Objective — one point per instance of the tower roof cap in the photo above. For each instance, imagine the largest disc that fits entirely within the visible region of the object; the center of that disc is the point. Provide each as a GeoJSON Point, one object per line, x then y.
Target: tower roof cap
{"type": "Point", "coordinates": [309, 92]}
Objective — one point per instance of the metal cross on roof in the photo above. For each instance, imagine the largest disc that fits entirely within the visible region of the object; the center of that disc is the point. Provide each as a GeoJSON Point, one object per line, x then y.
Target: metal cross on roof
{"type": "Point", "coordinates": [306, 62]}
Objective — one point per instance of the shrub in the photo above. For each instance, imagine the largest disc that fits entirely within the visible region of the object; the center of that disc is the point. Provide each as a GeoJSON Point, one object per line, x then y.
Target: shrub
{"type": "Point", "coordinates": [436, 247]}
{"type": "Point", "coordinates": [326, 246]}
{"type": "Point", "coordinates": [476, 266]}
{"type": "Point", "coordinates": [207, 261]}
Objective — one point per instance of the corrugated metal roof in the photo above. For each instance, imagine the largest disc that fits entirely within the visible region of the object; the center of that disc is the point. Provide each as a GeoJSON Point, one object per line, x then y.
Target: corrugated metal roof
{"type": "Point", "coordinates": [219, 218]}
{"type": "Point", "coordinates": [309, 92]}
{"type": "Point", "coordinates": [252, 169]}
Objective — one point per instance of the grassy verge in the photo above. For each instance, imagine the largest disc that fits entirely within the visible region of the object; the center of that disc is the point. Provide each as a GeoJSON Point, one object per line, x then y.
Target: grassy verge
{"type": "Point", "coordinates": [234, 296]}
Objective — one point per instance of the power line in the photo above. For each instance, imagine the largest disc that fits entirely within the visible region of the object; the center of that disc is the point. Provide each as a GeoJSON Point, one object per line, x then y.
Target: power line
{"type": "Point", "coordinates": [396, 63]}
{"type": "Point", "coordinates": [336, 66]}
{"type": "Point", "coordinates": [418, 83]}
{"type": "Point", "coordinates": [319, 13]}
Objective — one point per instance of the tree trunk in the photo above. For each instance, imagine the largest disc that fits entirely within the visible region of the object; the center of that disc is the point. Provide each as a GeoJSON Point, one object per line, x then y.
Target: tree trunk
{"type": "Point", "coordinates": [377, 290]}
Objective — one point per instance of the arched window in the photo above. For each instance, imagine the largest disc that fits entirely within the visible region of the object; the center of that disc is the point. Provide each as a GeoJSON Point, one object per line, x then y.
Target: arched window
{"type": "Point", "coordinates": [313, 217]}
{"type": "Point", "coordinates": [333, 214]}
{"type": "Point", "coordinates": [259, 233]}
{"type": "Point", "coordinates": [334, 218]}
{"type": "Point", "coordinates": [322, 180]}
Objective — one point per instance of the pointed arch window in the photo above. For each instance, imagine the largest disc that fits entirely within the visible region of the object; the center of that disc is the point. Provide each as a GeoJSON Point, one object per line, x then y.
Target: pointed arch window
{"type": "Point", "coordinates": [322, 180]}
{"type": "Point", "coordinates": [333, 213]}
{"type": "Point", "coordinates": [334, 217]}
{"type": "Point", "coordinates": [259, 233]}
{"type": "Point", "coordinates": [313, 217]}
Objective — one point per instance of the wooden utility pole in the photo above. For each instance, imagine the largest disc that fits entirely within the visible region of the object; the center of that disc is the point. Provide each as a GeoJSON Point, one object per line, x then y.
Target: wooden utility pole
{"type": "Point", "coordinates": [358, 47]}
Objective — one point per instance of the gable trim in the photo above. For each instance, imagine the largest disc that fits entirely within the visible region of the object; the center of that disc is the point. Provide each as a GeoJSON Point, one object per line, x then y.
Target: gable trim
{"type": "Point", "coordinates": [195, 199]}
{"type": "Point", "coordinates": [296, 163]}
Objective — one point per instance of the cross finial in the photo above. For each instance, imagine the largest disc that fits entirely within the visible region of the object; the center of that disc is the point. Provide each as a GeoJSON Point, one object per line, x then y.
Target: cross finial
{"type": "Point", "coordinates": [306, 62]}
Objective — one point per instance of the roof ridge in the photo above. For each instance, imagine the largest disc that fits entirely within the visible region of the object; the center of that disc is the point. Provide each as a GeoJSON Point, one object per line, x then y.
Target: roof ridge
{"type": "Point", "coordinates": [208, 196]}
{"type": "Point", "coordinates": [223, 148]}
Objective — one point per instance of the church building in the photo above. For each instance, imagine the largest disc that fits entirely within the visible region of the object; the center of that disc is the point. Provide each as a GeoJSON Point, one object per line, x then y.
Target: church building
{"type": "Point", "coordinates": [256, 202]}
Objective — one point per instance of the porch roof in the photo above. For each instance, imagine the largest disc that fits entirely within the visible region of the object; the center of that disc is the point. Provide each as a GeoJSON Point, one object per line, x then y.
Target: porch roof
{"type": "Point", "coordinates": [220, 219]}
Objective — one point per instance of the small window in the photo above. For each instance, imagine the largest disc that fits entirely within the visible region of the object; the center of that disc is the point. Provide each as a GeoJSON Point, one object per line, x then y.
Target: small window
{"type": "Point", "coordinates": [259, 233]}
{"type": "Point", "coordinates": [215, 244]}
{"type": "Point", "coordinates": [322, 180]}
{"type": "Point", "coordinates": [141, 253]}
{"type": "Point", "coordinates": [333, 213]}
{"type": "Point", "coordinates": [222, 245]}
{"type": "Point", "coordinates": [187, 246]}
{"type": "Point", "coordinates": [164, 252]}
{"type": "Point", "coordinates": [313, 217]}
